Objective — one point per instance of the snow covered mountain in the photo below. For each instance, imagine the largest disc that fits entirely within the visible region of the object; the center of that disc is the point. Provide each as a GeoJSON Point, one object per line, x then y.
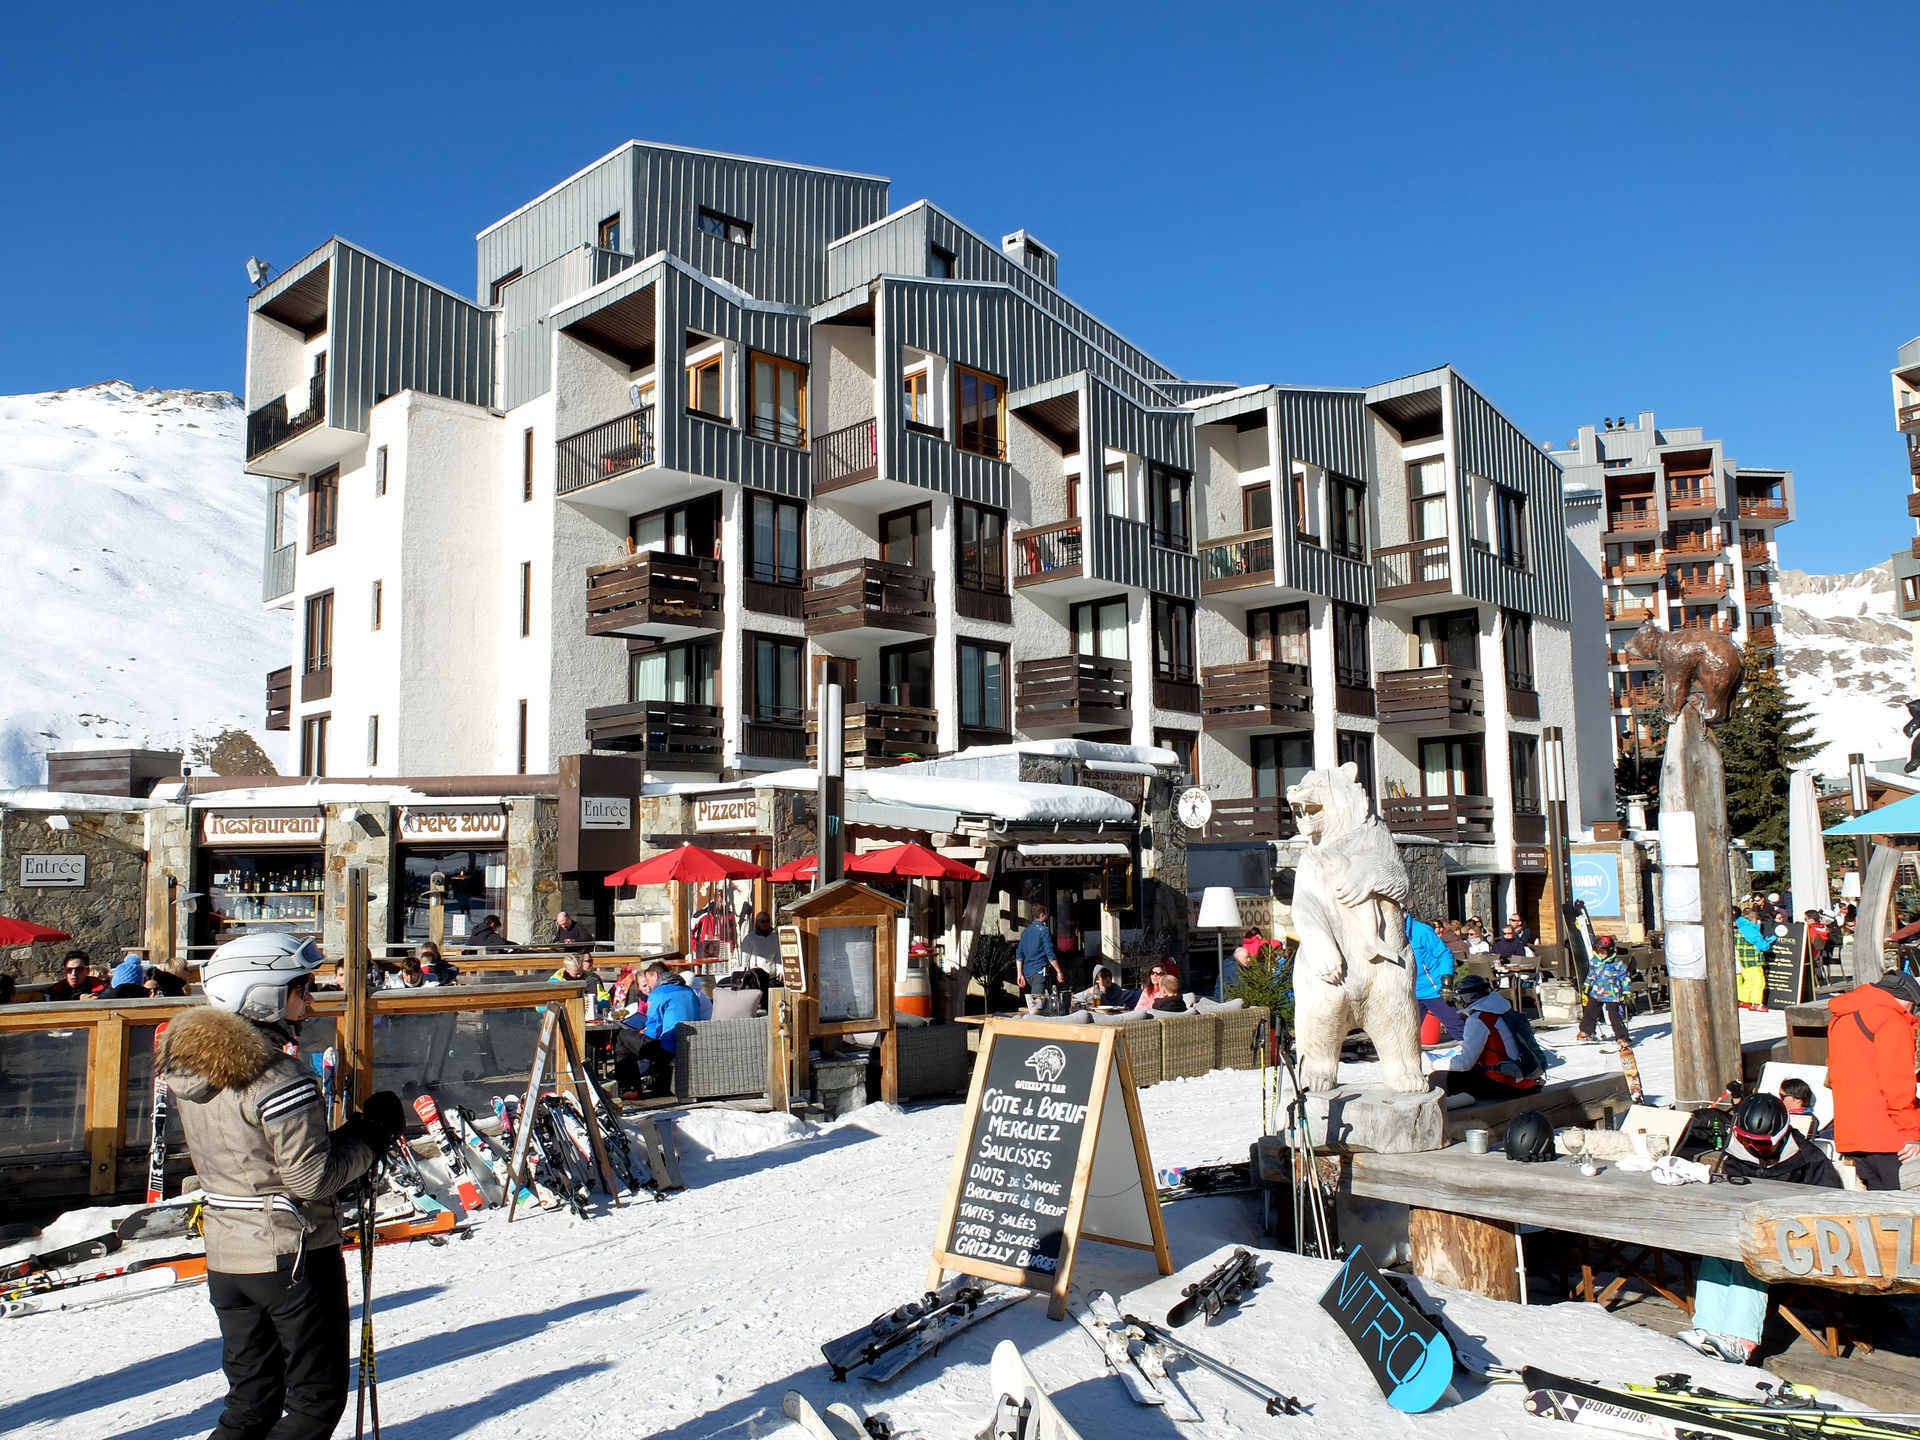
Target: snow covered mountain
{"type": "Point", "coordinates": [1848, 656]}
{"type": "Point", "coordinates": [132, 599]}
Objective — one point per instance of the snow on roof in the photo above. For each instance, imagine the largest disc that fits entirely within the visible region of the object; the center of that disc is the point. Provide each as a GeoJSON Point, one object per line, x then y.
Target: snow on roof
{"type": "Point", "coordinates": [38, 797]}
{"type": "Point", "coordinates": [1077, 750]}
{"type": "Point", "coordinates": [303, 797]}
{"type": "Point", "coordinates": [1216, 397]}
{"type": "Point", "coordinates": [1026, 802]}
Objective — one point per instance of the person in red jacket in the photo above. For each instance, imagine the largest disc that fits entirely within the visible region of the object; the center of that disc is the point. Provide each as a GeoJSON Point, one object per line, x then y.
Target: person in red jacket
{"type": "Point", "coordinates": [1870, 1069]}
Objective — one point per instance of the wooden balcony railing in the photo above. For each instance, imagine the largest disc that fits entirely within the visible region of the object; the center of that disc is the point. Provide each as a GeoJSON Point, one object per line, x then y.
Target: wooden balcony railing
{"type": "Point", "coordinates": [873, 735]}
{"type": "Point", "coordinates": [1913, 504]}
{"type": "Point", "coordinates": [1443, 817]}
{"type": "Point", "coordinates": [1259, 817]}
{"type": "Point", "coordinates": [1637, 697]}
{"type": "Point", "coordinates": [1691, 588]}
{"type": "Point", "coordinates": [846, 456]}
{"type": "Point", "coordinates": [1690, 543]}
{"type": "Point", "coordinates": [653, 593]}
{"type": "Point", "coordinates": [1913, 454]}
{"type": "Point", "coordinates": [599, 453]}
{"type": "Point", "coordinates": [1909, 416]}
{"type": "Point", "coordinates": [1439, 697]}
{"type": "Point", "coordinates": [1049, 552]}
{"type": "Point", "coordinates": [1762, 507]}
{"type": "Point", "coordinates": [1257, 694]}
{"type": "Point", "coordinates": [1691, 498]}
{"type": "Point", "coordinates": [1761, 635]}
{"type": "Point", "coordinates": [280, 698]}
{"type": "Point", "coordinates": [1761, 594]}
{"type": "Point", "coordinates": [666, 734]}
{"type": "Point", "coordinates": [1646, 565]}
{"type": "Point", "coordinates": [1621, 657]}
{"type": "Point", "coordinates": [1634, 519]}
{"type": "Point", "coordinates": [272, 425]}
{"type": "Point", "coordinates": [1404, 572]}
{"type": "Point", "coordinates": [1723, 623]}
{"type": "Point", "coordinates": [1234, 562]}
{"type": "Point", "coordinates": [1755, 554]}
{"type": "Point", "coordinates": [775, 732]}
{"type": "Point", "coordinates": [868, 594]}
{"type": "Point", "coordinates": [1629, 612]}
{"type": "Point", "coordinates": [1529, 825]}
{"type": "Point", "coordinates": [1072, 691]}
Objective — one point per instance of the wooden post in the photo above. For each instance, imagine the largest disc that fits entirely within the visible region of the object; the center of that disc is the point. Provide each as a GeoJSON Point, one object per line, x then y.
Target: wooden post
{"type": "Point", "coordinates": [779, 1057]}
{"type": "Point", "coordinates": [354, 1039]}
{"type": "Point", "coordinates": [1867, 960]}
{"type": "Point", "coordinates": [106, 1100]}
{"type": "Point", "coordinates": [1481, 1256]}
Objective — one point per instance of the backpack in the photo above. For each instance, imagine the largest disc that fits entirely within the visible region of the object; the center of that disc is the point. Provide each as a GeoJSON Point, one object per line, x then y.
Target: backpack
{"type": "Point", "coordinates": [1528, 1058]}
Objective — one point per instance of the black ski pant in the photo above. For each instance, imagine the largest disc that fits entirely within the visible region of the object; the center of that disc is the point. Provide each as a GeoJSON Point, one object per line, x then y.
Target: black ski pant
{"type": "Point", "coordinates": [1877, 1172]}
{"type": "Point", "coordinates": [284, 1349]}
{"type": "Point", "coordinates": [1616, 1016]}
{"type": "Point", "coordinates": [640, 1062]}
{"type": "Point", "coordinates": [1477, 1083]}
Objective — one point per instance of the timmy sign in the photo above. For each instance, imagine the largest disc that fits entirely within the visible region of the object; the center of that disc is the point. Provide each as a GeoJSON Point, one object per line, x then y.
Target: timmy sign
{"type": "Point", "coordinates": [1411, 1359]}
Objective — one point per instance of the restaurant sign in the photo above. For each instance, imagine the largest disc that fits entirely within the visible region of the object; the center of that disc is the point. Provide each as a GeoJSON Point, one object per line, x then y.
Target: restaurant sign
{"type": "Point", "coordinates": [458, 826]}
{"type": "Point", "coordinates": [725, 812]}
{"type": "Point", "coordinates": [1866, 1241]}
{"type": "Point", "coordinates": [1127, 786]}
{"type": "Point", "coordinates": [229, 828]}
{"type": "Point", "coordinates": [606, 812]}
{"type": "Point", "coordinates": [53, 872]}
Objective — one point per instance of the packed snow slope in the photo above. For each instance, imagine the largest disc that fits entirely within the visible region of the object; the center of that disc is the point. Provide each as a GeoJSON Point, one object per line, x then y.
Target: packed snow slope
{"type": "Point", "coordinates": [689, 1318]}
{"type": "Point", "coordinates": [1847, 655]}
{"type": "Point", "coordinates": [133, 598]}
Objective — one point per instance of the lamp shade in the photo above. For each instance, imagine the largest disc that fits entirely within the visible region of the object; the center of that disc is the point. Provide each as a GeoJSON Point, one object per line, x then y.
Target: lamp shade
{"type": "Point", "coordinates": [1218, 909]}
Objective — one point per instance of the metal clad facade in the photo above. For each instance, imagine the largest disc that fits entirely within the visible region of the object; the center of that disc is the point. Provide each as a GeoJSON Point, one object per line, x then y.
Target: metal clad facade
{"type": "Point", "coordinates": [896, 247]}
{"type": "Point", "coordinates": [564, 220]}
{"type": "Point", "coordinates": [389, 331]}
{"type": "Point", "coordinates": [526, 341]}
{"type": "Point", "coordinates": [1327, 428]}
{"type": "Point", "coordinates": [1491, 446]}
{"type": "Point", "coordinates": [276, 575]}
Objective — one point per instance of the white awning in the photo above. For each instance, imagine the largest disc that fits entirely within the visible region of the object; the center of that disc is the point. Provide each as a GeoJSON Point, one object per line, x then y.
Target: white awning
{"type": "Point", "coordinates": [1095, 851]}
{"type": "Point", "coordinates": [1119, 767]}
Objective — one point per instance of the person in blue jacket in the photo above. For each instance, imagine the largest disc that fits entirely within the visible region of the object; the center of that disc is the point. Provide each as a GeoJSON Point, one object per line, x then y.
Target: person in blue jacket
{"type": "Point", "coordinates": [643, 1050]}
{"type": "Point", "coordinates": [1432, 966]}
{"type": "Point", "coordinates": [1034, 955]}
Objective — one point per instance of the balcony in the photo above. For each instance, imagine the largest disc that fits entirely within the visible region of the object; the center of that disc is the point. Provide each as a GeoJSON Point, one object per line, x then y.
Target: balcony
{"type": "Point", "coordinates": [1646, 565]}
{"type": "Point", "coordinates": [1913, 454]}
{"type": "Point", "coordinates": [1049, 552]}
{"type": "Point", "coordinates": [276, 578]}
{"type": "Point", "coordinates": [1466, 818]}
{"type": "Point", "coordinates": [774, 732]}
{"type": "Point", "coordinates": [1629, 612]}
{"type": "Point", "coordinates": [1257, 695]}
{"type": "Point", "coordinates": [1723, 623]}
{"type": "Point", "coordinates": [316, 681]}
{"type": "Point", "coordinates": [1072, 692]}
{"type": "Point", "coordinates": [1913, 504]}
{"type": "Point", "coordinates": [1175, 692]}
{"type": "Point", "coordinates": [1235, 562]}
{"type": "Point", "coordinates": [1761, 635]}
{"type": "Point", "coordinates": [654, 593]}
{"type": "Point", "coordinates": [1691, 499]}
{"type": "Point", "coordinates": [617, 447]}
{"type": "Point", "coordinates": [1637, 697]}
{"type": "Point", "coordinates": [1259, 817]}
{"type": "Point", "coordinates": [280, 698]}
{"type": "Point", "coordinates": [271, 426]}
{"type": "Point", "coordinates": [1909, 418]}
{"type": "Point", "coordinates": [847, 456]}
{"type": "Point", "coordinates": [1406, 572]}
{"type": "Point", "coordinates": [289, 437]}
{"type": "Point", "coordinates": [1439, 697]}
{"type": "Point", "coordinates": [1762, 507]}
{"type": "Point", "coordinates": [1681, 546]}
{"type": "Point", "coordinates": [1638, 519]}
{"type": "Point", "coordinates": [1713, 588]}
{"type": "Point", "coordinates": [1759, 594]}
{"type": "Point", "coordinates": [1636, 662]}
{"type": "Point", "coordinates": [868, 597]}
{"type": "Point", "coordinates": [1755, 554]}
{"type": "Point", "coordinates": [876, 735]}
{"type": "Point", "coordinates": [668, 735]}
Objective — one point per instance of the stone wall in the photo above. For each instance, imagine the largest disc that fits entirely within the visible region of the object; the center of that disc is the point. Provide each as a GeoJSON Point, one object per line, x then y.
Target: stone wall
{"type": "Point", "coordinates": [105, 916]}
{"type": "Point", "coordinates": [533, 876]}
{"type": "Point", "coordinates": [366, 841]}
{"type": "Point", "coordinates": [169, 857]}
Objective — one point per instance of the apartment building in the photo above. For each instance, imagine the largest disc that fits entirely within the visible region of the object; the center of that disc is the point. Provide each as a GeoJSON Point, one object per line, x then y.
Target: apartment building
{"type": "Point", "coordinates": [713, 422]}
{"type": "Point", "coordinates": [1687, 539]}
{"type": "Point", "coordinates": [1906, 416]}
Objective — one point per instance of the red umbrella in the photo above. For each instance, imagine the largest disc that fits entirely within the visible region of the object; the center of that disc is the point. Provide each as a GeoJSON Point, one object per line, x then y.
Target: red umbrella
{"type": "Point", "coordinates": [25, 932]}
{"type": "Point", "coordinates": [796, 872]}
{"type": "Point", "coordinates": [910, 861]}
{"type": "Point", "coordinates": [689, 862]}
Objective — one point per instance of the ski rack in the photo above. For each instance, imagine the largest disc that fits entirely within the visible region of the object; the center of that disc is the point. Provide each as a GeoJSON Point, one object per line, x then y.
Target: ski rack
{"type": "Point", "coordinates": [554, 1022]}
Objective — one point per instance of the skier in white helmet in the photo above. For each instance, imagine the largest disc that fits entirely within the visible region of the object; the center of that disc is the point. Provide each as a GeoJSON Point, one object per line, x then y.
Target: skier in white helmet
{"type": "Point", "coordinates": [256, 1125]}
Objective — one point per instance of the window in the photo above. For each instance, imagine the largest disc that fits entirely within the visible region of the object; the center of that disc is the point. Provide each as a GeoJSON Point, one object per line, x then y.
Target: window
{"type": "Point", "coordinates": [724, 227]}
{"type": "Point", "coordinates": [1910, 590]}
{"type": "Point", "coordinates": [672, 675]}
{"type": "Point", "coordinates": [1356, 747]}
{"type": "Point", "coordinates": [773, 539]}
{"type": "Point", "coordinates": [1517, 646]}
{"type": "Point", "coordinates": [286, 501]}
{"type": "Point", "coordinates": [374, 607]}
{"type": "Point", "coordinates": [1303, 497]}
{"type": "Point", "coordinates": [1352, 665]}
{"type": "Point", "coordinates": [1100, 628]}
{"type": "Point", "coordinates": [690, 529]}
{"type": "Point", "coordinates": [905, 536]}
{"type": "Point", "coordinates": [1450, 639]}
{"type": "Point", "coordinates": [526, 598]}
{"type": "Point", "coordinates": [1510, 521]}
{"type": "Point", "coordinates": [1117, 490]}
{"type": "Point", "coordinates": [373, 741]}
{"type": "Point", "coordinates": [380, 471]}
{"type": "Point", "coordinates": [610, 233]}
{"type": "Point", "coordinates": [1453, 767]}
{"type": "Point", "coordinates": [981, 402]}
{"type": "Point", "coordinates": [705, 394]}
{"type": "Point", "coordinates": [323, 509]}
{"type": "Point", "coordinates": [1347, 516]}
{"type": "Point", "coordinates": [526, 464]}
{"type": "Point", "coordinates": [520, 744]}
{"type": "Point", "coordinates": [981, 557]}
{"type": "Point", "coordinates": [1278, 634]}
{"type": "Point", "coordinates": [1279, 761]}
{"type": "Point", "coordinates": [906, 675]}
{"type": "Point", "coordinates": [1185, 746]}
{"type": "Point", "coordinates": [500, 286]}
{"type": "Point", "coordinates": [917, 399]}
{"type": "Point", "coordinates": [1172, 639]}
{"type": "Point", "coordinates": [983, 686]}
{"type": "Point", "coordinates": [939, 263]}
{"type": "Point", "coordinates": [1427, 499]}
{"type": "Point", "coordinates": [1256, 507]}
{"type": "Point", "coordinates": [778, 402]}
{"type": "Point", "coordinates": [313, 744]}
{"type": "Point", "coordinates": [319, 632]}
{"type": "Point", "coordinates": [774, 675]}
{"type": "Point", "coordinates": [1524, 761]}
{"type": "Point", "coordinates": [1170, 492]}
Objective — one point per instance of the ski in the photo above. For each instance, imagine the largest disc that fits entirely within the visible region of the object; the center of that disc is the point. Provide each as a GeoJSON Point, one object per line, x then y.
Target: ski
{"type": "Point", "coordinates": [1212, 1293]}
{"type": "Point", "coordinates": [1143, 1369]}
{"type": "Point", "coordinates": [1277, 1402]}
{"type": "Point", "coordinates": [662, 1158]}
{"type": "Point", "coordinates": [461, 1120]}
{"type": "Point", "coordinates": [50, 1280]}
{"type": "Point", "coordinates": [1784, 1403]}
{"type": "Point", "coordinates": [1185, 1183]}
{"type": "Point", "coordinates": [820, 1427]}
{"type": "Point", "coordinates": [53, 1260]}
{"type": "Point", "coordinates": [157, 1146]}
{"type": "Point", "coordinates": [403, 1228]}
{"type": "Point", "coordinates": [1630, 1068]}
{"type": "Point", "coordinates": [454, 1155]}
{"type": "Point", "coordinates": [1022, 1410]}
{"type": "Point", "coordinates": [844, 1413]}
{"type": "Point", "coordinates": [1577, 1402]}
{"type": "Point", "coordinates": [110, 1290]}
{"type": "Point", "coordinates": [893, 1341]}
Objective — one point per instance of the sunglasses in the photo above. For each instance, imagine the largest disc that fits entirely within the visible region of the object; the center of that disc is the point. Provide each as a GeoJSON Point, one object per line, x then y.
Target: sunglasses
{"type": "Point", "coordinates": [75, 969]}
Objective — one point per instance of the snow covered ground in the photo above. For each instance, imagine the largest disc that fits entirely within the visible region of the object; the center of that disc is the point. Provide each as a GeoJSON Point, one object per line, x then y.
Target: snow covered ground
{"type": "Point", "coordinates": [691, 1317]}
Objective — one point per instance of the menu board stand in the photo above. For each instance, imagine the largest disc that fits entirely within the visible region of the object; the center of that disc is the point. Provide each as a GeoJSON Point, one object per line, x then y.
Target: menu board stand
{"type": "Point", "coordinates": [1052, 1152]}
{"type": "Point", "coordinates": [845, 966]}
{"type": "Point", "coordinates": [1788, 976]}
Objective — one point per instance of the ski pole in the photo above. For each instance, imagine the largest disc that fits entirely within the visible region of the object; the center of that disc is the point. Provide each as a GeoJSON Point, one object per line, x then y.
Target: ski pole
{"type": "Point", "coordinates": [369, 1398]}
{"type": "Point", "coordinates": [1276, 1403]}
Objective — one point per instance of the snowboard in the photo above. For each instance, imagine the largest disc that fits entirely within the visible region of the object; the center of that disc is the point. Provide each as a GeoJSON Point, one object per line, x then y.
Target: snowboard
{"type": "Point", "coordinates": [1022, 1410]}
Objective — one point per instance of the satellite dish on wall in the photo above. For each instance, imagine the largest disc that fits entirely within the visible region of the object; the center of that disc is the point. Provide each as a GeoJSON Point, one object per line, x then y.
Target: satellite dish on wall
{"type": "Point", "coordinates": [258, 270]}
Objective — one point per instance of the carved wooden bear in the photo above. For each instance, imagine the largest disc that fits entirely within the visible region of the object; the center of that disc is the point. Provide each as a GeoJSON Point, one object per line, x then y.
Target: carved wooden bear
{"type": "Point", "coordinates": [1688, 658]}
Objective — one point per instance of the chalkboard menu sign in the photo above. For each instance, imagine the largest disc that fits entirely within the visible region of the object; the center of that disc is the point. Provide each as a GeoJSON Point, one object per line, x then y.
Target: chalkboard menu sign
{"type": "Point", "coordinates": [1051, 1151]}
{"type": "Point", "coordinates": [1786, 966]}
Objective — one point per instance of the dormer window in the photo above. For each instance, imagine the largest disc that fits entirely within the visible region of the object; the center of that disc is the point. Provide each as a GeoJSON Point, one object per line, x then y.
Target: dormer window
{"type": "Point", "coordinates": [706, 376]}
{"type": "Point", "coordinates": [724, 227]}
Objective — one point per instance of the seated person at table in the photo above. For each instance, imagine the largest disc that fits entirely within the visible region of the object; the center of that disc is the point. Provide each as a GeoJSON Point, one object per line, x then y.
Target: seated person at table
{"type": "Point", "coordinates": [1167, 997]}
{"type": "Point", "coordinates": [1729, 1305]}
{"type": "Point", "coordinates": [643, 1048]}
{"type": "Point", "coordinates": [1797, 1096]}
{"type": "Point", "coordinates": [164, 984]}
{"type": "Point", "coordinates": [1515, 941]}
{"type": "Point", "coordinates": [1103, 991]}
{"type": "Point", "coordinates": [577, 965]}
{"type": "Point", "coordinates": [1150, 991]}
{"type": "Point", "coordinates": [129, 980]}
{"type": "Point", "coordinates": [410, 976]}
{"type": "Point", "coordinates": [570, 934]}
{"type": "Point", "coordinates": [1492, 1063]}
{"type": "Point", "coordinates": [489, 936]}
{"type": "Point", "coordinates": [77, 980]}
{"type": "Point", "coordinates": [760, 946]}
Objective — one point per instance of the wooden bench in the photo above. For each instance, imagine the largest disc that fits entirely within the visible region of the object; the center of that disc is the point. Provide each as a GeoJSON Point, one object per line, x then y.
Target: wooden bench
{"type": "Point", "coordinates": [1593, 1101]}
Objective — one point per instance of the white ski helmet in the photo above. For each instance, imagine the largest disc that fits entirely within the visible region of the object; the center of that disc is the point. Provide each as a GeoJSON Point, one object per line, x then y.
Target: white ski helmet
{"type": "Point", "coordinates": [250, 976]}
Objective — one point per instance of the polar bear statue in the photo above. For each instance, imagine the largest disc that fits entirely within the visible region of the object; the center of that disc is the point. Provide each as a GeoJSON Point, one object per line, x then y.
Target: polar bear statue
{"type": "Point", "coordinates": [1354, 964]}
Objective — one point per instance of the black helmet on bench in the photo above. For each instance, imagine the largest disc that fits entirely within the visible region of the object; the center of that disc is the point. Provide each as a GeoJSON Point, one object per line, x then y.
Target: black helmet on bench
{"type": "Point", "coordinates": [1530, 1138]}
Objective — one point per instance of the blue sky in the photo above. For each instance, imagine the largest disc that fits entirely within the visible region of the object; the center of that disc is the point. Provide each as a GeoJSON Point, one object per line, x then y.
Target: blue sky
{"type": "Point", "coordinates": [1703, 212]}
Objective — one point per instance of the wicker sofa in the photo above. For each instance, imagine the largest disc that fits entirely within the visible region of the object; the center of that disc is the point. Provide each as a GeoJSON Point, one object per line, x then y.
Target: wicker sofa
{"type": "Point", "coordinates": [724, 1059]}
{"type": "Point", "coordinates": [1170, 1047]}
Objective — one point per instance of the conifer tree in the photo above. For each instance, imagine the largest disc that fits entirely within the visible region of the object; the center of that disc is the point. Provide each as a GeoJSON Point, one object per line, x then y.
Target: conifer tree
{"type": "Point", "coordinates": [1764, 739]}
{"type": "Point", "coordinates": [1637, 772]}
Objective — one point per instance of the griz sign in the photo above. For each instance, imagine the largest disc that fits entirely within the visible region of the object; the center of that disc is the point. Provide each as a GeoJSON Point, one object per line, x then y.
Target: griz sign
{"type": "Point", "coordinates": [1411, 1358]}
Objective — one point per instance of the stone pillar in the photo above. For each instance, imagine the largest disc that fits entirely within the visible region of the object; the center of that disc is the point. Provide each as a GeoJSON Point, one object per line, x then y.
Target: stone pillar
{"type": "Point", "coordinates": [533, 876]}
{"type": "Point", "coordinates": [365, 840]}
{"type": "Point", "coordinates": [169, 852]}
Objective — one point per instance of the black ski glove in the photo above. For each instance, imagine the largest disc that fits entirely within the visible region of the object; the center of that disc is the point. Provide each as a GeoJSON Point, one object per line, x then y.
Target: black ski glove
{"type": "Point", "coordinates": [382, 1121]}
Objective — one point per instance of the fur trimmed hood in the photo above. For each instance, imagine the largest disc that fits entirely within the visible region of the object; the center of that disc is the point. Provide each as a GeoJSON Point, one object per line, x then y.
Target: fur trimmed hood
{"type": "Point", "coordinates": [208, 1050]}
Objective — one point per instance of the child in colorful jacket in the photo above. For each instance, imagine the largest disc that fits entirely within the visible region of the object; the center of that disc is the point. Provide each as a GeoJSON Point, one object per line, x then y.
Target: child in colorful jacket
{"type": "Point", "coordinates": [1608, 984]}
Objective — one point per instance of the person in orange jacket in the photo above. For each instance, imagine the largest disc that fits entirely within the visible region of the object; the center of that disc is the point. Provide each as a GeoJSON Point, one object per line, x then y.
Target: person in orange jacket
{"type": "Point", "coordinates": [1870, 1069]}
